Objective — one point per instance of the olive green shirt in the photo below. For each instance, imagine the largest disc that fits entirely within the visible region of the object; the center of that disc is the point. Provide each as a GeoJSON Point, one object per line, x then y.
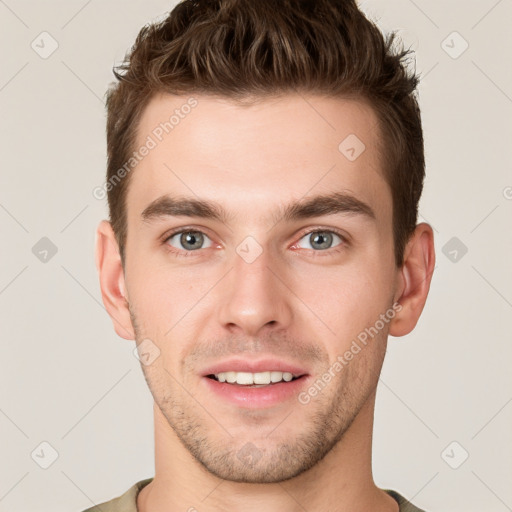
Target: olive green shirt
{"type": "Point", "coordinates": [128, 501]}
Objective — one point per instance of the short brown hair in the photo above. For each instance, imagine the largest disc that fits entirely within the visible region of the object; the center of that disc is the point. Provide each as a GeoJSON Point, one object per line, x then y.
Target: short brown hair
{"type": "Point", "coordinates": [242, 48]}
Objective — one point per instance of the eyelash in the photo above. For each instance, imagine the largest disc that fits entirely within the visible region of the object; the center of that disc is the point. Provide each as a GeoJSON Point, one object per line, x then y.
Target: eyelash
{"type": "Point", "coordinates": [173, 250]}
{"type": "Point", "coordinates": [327, 252]}
{"type": "Point", "coordinates": [182, 253]}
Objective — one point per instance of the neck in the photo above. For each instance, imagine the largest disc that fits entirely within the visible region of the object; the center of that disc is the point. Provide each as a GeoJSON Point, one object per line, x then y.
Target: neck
{"type": "Point", "coordinates": [341, 481]}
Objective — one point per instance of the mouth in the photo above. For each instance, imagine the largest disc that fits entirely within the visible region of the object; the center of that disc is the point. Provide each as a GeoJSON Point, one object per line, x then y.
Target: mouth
{"type": "Point", "coordinates": [254, 380]}
{"type": "Point", "coordinates": [255, 384]}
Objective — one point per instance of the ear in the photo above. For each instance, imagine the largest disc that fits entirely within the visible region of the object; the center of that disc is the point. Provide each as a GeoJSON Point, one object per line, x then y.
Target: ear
{"type": "Point", "coordinates": [414, 280]}
{"type": "Point", "coordinates": [112, 284]}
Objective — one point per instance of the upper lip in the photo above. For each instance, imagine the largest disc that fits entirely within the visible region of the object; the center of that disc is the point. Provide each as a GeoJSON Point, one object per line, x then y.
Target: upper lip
{"type": "Point", "coordinates": [261, 365]}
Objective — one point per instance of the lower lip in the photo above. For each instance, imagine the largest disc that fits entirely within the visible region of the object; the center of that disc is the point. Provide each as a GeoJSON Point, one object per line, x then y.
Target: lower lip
{"type": "Point", "coordinates": [264, 396]}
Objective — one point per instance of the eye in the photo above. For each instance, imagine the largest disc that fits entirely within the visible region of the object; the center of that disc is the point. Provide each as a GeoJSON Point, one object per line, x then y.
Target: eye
{"type": "Point", "coordinates": [188, 240]}
{"type": "Point", "coordinates": [320, 240]}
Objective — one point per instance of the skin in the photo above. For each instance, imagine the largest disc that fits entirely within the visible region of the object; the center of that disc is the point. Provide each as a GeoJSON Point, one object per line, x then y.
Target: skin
{"type": "Point", "coordinates": [295, 301]}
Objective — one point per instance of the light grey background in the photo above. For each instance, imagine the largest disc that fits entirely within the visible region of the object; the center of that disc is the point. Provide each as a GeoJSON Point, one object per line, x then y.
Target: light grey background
{"type": "Point", "coordinates": [66, 378]}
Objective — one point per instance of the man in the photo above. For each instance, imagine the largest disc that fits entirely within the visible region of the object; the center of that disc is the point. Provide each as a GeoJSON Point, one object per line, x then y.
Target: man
{"type": "Point", "coordinates": [265, 163]}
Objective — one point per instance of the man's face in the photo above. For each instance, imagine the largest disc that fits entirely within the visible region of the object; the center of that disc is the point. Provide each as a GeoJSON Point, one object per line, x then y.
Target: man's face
{"type": "Point", "coordinates": [291, 291]}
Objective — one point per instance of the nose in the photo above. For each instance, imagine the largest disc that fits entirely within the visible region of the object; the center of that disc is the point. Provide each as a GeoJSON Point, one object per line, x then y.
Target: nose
{"type": "Point", "coordinates": [254, 297]}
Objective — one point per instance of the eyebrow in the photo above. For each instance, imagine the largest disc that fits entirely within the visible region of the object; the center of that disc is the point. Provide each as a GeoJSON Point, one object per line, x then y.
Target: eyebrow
{"type": "Point", "coordinates": [316, 206]}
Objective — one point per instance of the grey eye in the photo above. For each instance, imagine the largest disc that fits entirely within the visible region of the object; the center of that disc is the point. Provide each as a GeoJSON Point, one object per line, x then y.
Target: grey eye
{"type": "Point", "coordinates": [319, 240]}
{"type": "Point", "coordinates": [189, 240]}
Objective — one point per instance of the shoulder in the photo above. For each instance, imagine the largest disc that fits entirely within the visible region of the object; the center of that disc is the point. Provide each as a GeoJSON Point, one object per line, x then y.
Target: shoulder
{"type": "Point", "coordinates": [404, 504]}
{"type": "Point", "coordinates": [127, 502]}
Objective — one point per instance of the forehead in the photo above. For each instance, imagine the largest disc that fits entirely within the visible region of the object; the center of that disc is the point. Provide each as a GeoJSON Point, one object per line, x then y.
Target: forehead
{"type": "Point", "coordinates": [253, 157]}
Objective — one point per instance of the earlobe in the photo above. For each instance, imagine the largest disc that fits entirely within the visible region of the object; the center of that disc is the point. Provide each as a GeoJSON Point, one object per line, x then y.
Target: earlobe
{"type": "Point", "coordinates": [112, 284]}
{"type": "Point", "coordinates": [415, 277]}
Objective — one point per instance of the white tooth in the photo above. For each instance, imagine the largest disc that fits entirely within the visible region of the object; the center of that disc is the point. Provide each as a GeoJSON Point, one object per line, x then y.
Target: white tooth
{"type": "Point", "coordinates": [244, 378]}
{"type": "Point", "coordinates": [248, 379]}
{"type": "Point", "coordinates": [261, 378]}
{"type": "Point", "coordinates": [230, 377]}
{"type": "Point", "coordinates": [276, 376]}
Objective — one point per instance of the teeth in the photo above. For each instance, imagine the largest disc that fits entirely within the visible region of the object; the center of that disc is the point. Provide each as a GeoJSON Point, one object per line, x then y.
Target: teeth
{"type": "Point", "coordinates": [248, 379]}
{"type": "Point", "coordinates": [260, 378]}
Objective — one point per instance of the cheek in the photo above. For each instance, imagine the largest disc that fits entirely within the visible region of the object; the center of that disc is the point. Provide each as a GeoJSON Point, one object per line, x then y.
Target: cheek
{"type": "Point", "coordinates": [168, 298]}
{"type": "Point", "coordinates": [155, 285]}
{"type": "Point", "coordinates": [347, 300]}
